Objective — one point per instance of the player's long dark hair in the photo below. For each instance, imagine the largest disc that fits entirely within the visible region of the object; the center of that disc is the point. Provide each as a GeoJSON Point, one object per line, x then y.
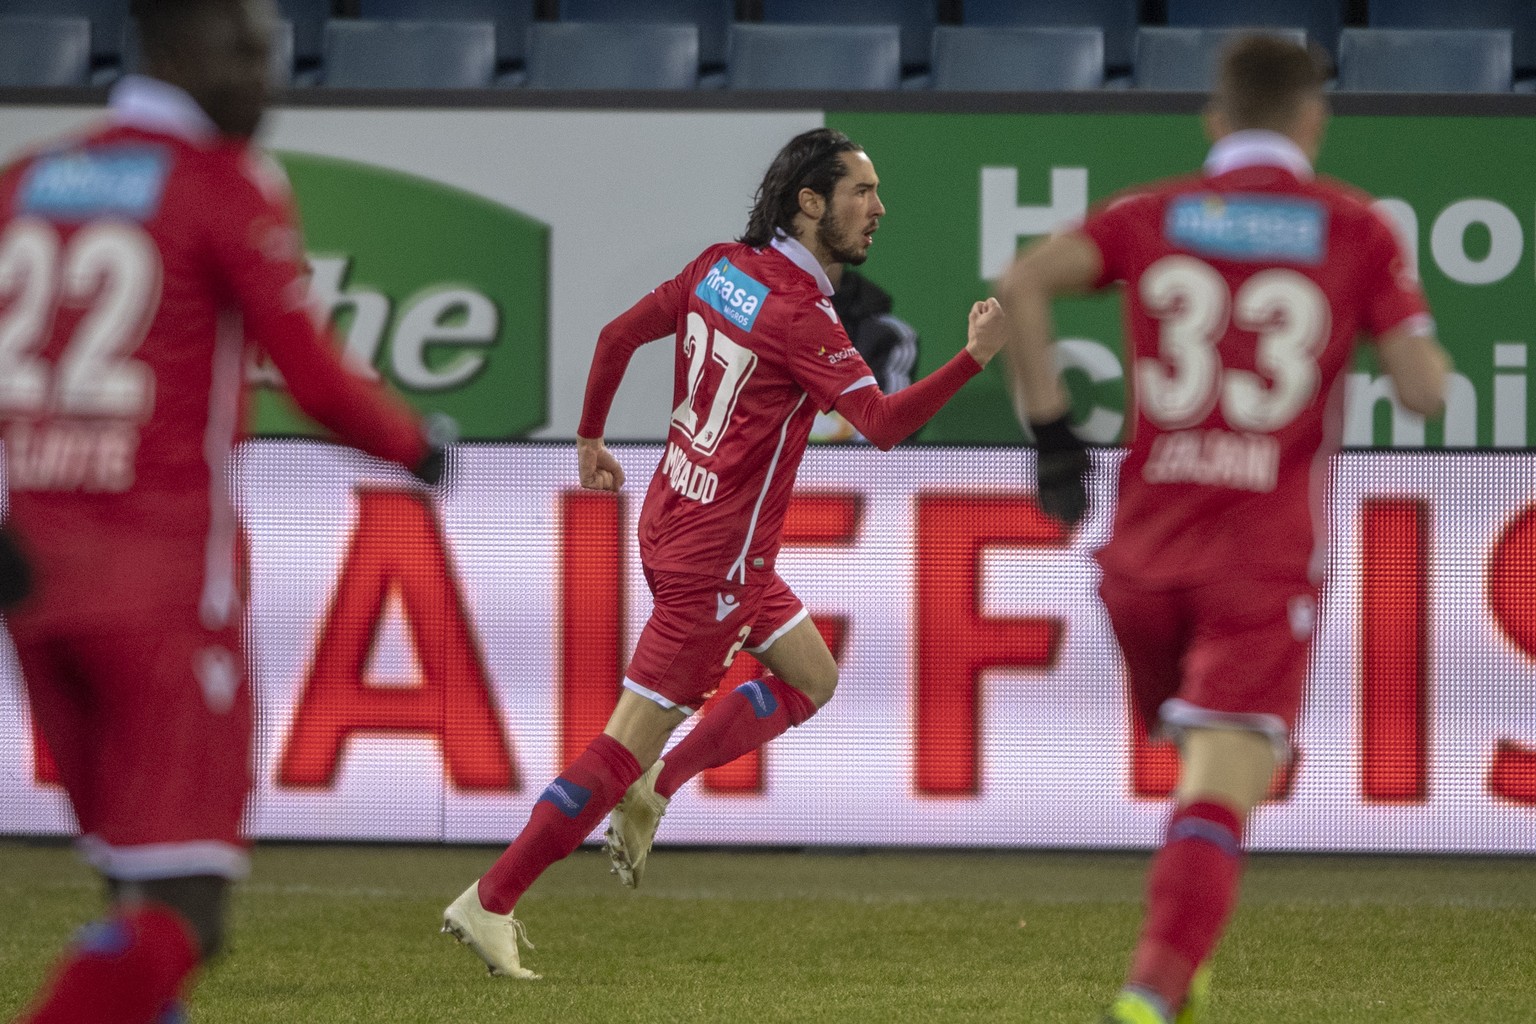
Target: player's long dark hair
{"type": "Point", "coordinates": [809, 160]}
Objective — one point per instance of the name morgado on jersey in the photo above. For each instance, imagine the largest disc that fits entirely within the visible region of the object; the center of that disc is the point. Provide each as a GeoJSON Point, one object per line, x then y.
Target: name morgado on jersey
{"type": "Point", "coordinates": [1248, 228]}
{"type": "Point", "coordinates": [733, 294]}
{"type": "Point", "coordinates": [82, 184]}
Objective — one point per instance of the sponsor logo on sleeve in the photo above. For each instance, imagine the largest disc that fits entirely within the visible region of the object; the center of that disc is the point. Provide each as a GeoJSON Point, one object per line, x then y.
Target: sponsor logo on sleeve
{"type": "Point", "coordinates": [1248, 228]}
{"type": "Point", "coordinates": [836, 356]}
{"type": "Point", "coordinates": [82, 184]}
{"type": "Point", "coordinates": [733, 294]}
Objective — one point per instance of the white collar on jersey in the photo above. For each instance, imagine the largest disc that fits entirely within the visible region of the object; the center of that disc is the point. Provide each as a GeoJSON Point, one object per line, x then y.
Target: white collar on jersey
{"type": "Point", "coordinates": [801, 257]}
{"type": "Point", "coordinates": [1257, 148]}
{"type": "Point", "coordinates": [139, 101]}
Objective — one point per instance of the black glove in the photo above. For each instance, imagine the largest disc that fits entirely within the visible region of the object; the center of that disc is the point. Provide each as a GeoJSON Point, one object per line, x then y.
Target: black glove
{"type": "Point", "coordinates": [1061, 471]}
{"type": "Point", "coordinates": [15, 573]}
{"type": "Point", "coordinates": [439, 431]}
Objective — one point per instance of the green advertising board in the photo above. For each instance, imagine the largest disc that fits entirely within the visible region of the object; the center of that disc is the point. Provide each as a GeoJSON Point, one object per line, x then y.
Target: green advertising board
{"type": "Point", "coordinates": [442, 292]}
{"type": "Point", "coordinates": [962, 189]}
{"type": "Point", "coordinates": [447, 293]}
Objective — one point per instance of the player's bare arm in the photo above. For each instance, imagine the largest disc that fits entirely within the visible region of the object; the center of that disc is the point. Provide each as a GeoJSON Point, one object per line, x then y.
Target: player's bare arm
{"type": "Point", "coordinates": [599, 470]}
{"type": "Point", "coordinates": [1418, 366]}
{"type": "Point", "coordinates": [1060, 265]}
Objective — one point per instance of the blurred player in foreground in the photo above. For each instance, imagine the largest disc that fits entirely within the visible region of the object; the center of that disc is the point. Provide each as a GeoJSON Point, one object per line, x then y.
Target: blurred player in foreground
{"type": "Point", "coordinates": [759, 351]}
{"type": "Point", "coordinates": [1246, 287]}
{"type": "Point", "coordinates": [140, 262]}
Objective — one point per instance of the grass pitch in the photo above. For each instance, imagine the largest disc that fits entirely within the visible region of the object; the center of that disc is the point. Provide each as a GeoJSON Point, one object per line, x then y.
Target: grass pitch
{"type": "Point", "coordinates": [344, 934]}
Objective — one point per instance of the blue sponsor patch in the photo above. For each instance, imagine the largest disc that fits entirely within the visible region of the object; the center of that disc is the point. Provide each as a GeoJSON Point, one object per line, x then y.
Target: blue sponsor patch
{"type": "Point", "coordinates": [763, 702]}
{"type": "Point", "coordinates": [82, 184]}
{"type": "Point", "coordinates": [567, 797]}
{"type": "Point", "coordinates": [1249, 228]}
{"type": "Point", "coordinates": [736, 296]}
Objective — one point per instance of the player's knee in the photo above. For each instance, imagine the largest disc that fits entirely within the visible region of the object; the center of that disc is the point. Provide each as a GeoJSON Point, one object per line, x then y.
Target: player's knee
{"type": "Point", "coordinates": [819, 685]}
{"type": "Point", "coordinates": [1232, 767]}
{"type": "Point", "coordinates": [200, 901]}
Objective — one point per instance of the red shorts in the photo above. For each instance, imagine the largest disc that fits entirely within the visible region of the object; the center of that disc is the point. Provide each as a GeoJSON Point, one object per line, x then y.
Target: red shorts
{"type": "Point", "coordinates": [696, 628]}
{"type": "Point", "coordinates": [1231, 653]}
{"type": "Point", "coordinates": [148, 718]}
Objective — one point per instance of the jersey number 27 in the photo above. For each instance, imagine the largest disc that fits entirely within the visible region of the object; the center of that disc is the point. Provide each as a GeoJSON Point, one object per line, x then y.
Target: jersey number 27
{"type": "Point", "coordinates": [736, 362]}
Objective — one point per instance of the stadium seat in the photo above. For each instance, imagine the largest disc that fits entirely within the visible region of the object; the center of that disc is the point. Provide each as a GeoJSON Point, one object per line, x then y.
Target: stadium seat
{"type": "Point", "coordinates": [1185, 59]}
{"type": "Point", "coordinates": [713, 17]}
{"type": "Point", "coordinates": [813, 57]}
{"type": "Point", "coordinates": [282, 52]}
{"type": "Point", "coordinates": [612, 55]}
{"type": "Point", "coordinates": [1321, 19]}
{"type": "Point", "coordinates": [1519, 16]}
{"type": "Point", "coordinates": [1425, 60]}
{"type": "Point", "coordinates": [308, 18]}
{"type": "Point", "coordinates": [511, 18]}
{"type": "Point", "coordinates": [915, 19]}
{"type": "Point", "coordinates": [1017, 59]}
{"type": "Point", "coordinates": [409, 54]}
{"type": "Point", "coordinates": [1117, 19]}
{"type": "Point", "coordinates": [45, 51]}
{"type": "Point", "coordinates": [106, 18]}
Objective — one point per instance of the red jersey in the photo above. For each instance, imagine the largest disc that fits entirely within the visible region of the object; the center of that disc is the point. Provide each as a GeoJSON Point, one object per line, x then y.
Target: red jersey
{"type": "Point", "coordinates": [759, 352]}
{"type": "Point", "coordinates": [1245, 290]}
{"type": "Point", "coordinates": [139, 265]}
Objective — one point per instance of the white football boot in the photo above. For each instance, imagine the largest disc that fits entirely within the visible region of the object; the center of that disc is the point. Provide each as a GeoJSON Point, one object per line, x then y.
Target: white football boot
{"type": "Point", "coordinates": [632, 827]}
{"type": "Point", "coordinates": [493, 937]}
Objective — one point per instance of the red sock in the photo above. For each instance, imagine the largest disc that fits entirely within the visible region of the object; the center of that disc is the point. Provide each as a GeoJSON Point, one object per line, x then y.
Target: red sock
{"type": "Point", "coordinates": [570, 808]}
{"type": "Point", "coordinates": [744, 719]}
{"type": "Point", "coordinates": [123, 970]}
{"type": "Point", "coordinates": [1191, 890]}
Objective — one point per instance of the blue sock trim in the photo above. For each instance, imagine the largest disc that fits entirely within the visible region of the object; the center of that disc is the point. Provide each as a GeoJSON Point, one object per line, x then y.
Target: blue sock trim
{"type": "Point", "coordinates": [763, 702]}
{"type": "Point", "coordinates": [1205, 831]}
{"type": "Point", "coordinates": [109, 938]}
{"type": "Point", "coordinates": [566, 797]}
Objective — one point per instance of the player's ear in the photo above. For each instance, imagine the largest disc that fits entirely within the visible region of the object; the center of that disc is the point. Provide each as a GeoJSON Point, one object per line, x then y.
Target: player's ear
{"type": "Point", "coordinates": [1216, 124]}
{"type": "Point", "coordinates": [812, 203]}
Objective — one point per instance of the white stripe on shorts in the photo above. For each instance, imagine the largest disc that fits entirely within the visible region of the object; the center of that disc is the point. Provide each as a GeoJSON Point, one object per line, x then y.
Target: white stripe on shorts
{"type": "Point", "coordinates": [148, 862]}
{"type": "Point", "coordinates": [774, 637]}
{"type": "Point", "coordinates": [654, 697]}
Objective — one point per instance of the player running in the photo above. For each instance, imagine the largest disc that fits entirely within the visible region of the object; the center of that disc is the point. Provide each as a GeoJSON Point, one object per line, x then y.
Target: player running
{"type": "Point", "coordinates": [759, 352]}
{"type": "Point", "coordinates": [140, 264]}
{"type": "Point", "coordinates": [1245, 289]}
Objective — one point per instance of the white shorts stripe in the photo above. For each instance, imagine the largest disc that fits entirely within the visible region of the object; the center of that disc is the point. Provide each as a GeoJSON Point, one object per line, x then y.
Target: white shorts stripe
{"type": "Point", "coordinates": [1178, 715]}
{"type": "Point", "coordinates": [654, 697]}
{"type": "Point", "coordinates": [774, 638]}
{"type": "Point", "coordinates": [152, 861]}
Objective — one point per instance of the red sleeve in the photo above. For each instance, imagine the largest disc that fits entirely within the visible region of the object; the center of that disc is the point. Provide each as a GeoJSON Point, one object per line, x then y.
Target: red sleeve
{"type": "Point", "coordinates": [887, 420]}
{"type": "Point", "coordinates": [256, 247]}
{"type": "Point", "coordinates": [1393, 296]}
{"type": "Point", "coordinates": [821, 358]}
{"type": "Point", "coordinates": [653, 317]}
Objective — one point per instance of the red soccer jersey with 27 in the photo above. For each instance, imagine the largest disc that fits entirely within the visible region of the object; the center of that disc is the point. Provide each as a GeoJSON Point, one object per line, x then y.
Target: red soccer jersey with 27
{"type": "Point", "coordinates": [759, 352]}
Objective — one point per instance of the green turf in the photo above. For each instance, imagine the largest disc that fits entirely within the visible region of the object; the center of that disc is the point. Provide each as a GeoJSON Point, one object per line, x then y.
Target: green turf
{"type": "Point", "coordinates": [343, 934]}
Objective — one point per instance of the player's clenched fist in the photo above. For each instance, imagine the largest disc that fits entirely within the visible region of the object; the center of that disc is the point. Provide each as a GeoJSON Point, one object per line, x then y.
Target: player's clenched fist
{"type": "Point", "coordinates": [599, 470]}
{"type": "Point", "coordinates": [987, 331]}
